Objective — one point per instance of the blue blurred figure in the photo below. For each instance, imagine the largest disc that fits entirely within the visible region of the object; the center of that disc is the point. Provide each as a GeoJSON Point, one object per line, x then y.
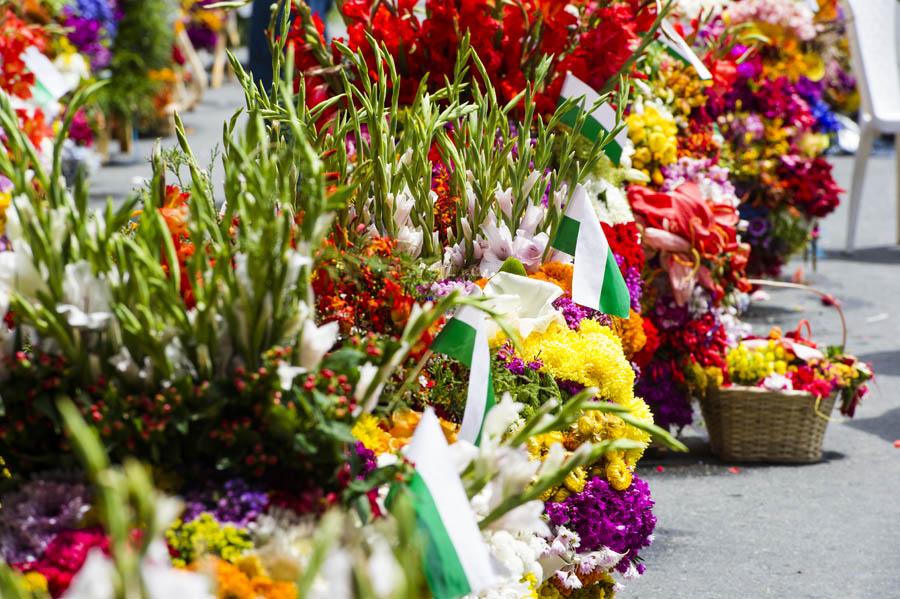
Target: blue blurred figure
{"type": "Point", "coordinates": [260, 55]}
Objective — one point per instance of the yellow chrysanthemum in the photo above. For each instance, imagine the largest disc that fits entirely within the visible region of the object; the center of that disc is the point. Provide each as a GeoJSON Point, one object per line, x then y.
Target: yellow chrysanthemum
{"type": "Point", "coordinates": [654, 134]}
{"type": "Point", "coordinates": [617, 471]}
{"type": "Point", "coordinates": [591, 356]}
{"type": "Point", "coordinates": [368, 431]}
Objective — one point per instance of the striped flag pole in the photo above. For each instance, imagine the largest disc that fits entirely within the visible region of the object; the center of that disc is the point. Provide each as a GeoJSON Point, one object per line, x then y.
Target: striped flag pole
{"type": "Point", "coordinates": [464, 339]}
{"type": "Point", "coordinates": [599, 122]}
{"type": "Point", "coordinates": [457, 560]}
{"type": "Point", "coordinates": [597, 281]}
{"type": "Point", "coordinates": [681, 50]}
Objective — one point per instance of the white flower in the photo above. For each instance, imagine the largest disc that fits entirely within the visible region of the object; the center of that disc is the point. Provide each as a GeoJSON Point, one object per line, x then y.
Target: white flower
{"type": "Point", "coordinates": [367, 373]}
{"type": "Point", "coordinates": [287, 373]}
{"type": "Point", "coordinates": [777, 382]}
{"type": "Point", "coordinates": [316, 342]}
{"type": "Point", "coordinates": [610, 201]}
{"type": "Point", "coordinates": [124, 363]}
{"type": "Point", "coordinates": [496, 244]}
{"type": "Point", "coordinates": [402, 205]}
{"type": "Point", "coordinates": [499, 418]}
{"type": "Point", "coordinates": [530, 250]}
{"type": "Point", "coordinates": [532, 218]}
{"type": "Point", "coordinates": [295, 261]}
{"type": "Point", "coordinates": [86, 298]}
{"type": "Point", "coordinates": [19, 274]}
{"type": "Point", "coordinates": [533, 177]}
{"type": "Point", "coordinates": [162, 581]}
{"type": "Point", "coordinates": [384, 571]}
{"type": "Point", "coordinates": [409, 240]}
{"type": "Point", "coordinates": [504, 199]}
{"type": "Point", "coordinates": [334, 580]}
{"type": "Point", "coordinates": [526, 304]}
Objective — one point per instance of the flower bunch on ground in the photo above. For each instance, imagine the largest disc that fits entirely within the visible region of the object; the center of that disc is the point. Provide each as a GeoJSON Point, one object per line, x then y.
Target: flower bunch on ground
{"type": "Point", "coordinates": [788, 362]}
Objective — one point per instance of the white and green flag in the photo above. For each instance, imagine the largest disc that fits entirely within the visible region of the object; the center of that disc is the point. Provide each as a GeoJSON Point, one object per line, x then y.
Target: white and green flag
{"type": "Point", "coordinates": [49, 84]}
{"type": "Point", "coordinates": [457, 560]}
{"type": "Point", "coordinates": [599, 122]}
{"type": "Point", "coordinates": [597, 281]}
{"type": "Point", "coordinates": [681, 50]}
{"type": "Point", "coordinates": [464, 338]}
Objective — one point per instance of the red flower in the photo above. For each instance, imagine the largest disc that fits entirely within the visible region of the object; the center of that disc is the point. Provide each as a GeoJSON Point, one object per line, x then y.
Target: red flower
{"type": "Point", "coordinates": [65, 555]}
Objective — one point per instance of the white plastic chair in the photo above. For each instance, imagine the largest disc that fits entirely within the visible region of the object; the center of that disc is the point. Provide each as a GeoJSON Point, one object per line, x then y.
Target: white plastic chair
{"type": "Point", "coordinates": [874, 55]}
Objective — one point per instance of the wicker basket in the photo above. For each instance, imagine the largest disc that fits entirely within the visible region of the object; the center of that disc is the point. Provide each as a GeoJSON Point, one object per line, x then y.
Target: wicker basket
{"type": "Point", "coordinates": [750, 424]}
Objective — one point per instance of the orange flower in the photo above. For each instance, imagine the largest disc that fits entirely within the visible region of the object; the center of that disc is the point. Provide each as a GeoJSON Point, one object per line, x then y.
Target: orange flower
{"type": "Point", "coordinates": [404, 424]}
{"type": "Point", "coordinates": [557, 273]}
{"type": "Point", "coordinates": [234, 583]}
{"type": "Point", "coordinates": [631, 331]}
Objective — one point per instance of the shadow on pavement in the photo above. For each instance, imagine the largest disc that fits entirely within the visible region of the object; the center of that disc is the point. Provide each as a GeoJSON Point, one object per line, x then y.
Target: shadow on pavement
{"type": "Point", "coordinates": [888, 254]}
{"type": "Point", "coordinates": [699, 459]}
{"type": "Point", "coordinates": [886, 426]}
{"type": "Point", "coordinates": [883, 362]}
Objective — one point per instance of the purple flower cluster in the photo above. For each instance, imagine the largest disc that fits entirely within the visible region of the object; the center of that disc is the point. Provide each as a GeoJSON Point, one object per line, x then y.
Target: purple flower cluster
{"type": "Point", "coordinates": [668, 315]}
{"type": "Point", "coordinates": [235, 502]}
{"type": "Point", "coordinates": [36, 513]}
{"type": "Point", "coordinates": [704, 171]}
{"type": "Point", "coordinates": [635, 285]}
{"type": "Point", "coordinates": [570, 387]}
{"type": "Point", "coordinates": [93, 25]}
{"type": "Point", "coordinates": [574, 314]}
{"type": "Point", "coordinates": [670, 406]}
{"type": "Point", "coordinates": [603, 517]}
{"type": "Point", "coordinates": [366, 459]}
{"type": "Point", "coordinates": [445, 287]}
{"type": "Point", "coordinates": [514, 363]}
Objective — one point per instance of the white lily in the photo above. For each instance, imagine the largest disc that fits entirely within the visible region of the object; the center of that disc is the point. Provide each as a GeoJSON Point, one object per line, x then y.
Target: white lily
{"type": "Point", "coordinates": [287, 373]}
{"type": "Point", "coordinates": [527, 304]}
{"type": "Point", "coordinates": [504, 199]}
{"type": "Point", "coordinates": [410, 240]}
{"type": "Point", "coordinates": [162, 581]}
{"type": "Point", "coordinates": [316, 341]}
{"type": "Point", "coordinates": [367, 374]}
{"type": "Point", "coordinates": [86, 301]}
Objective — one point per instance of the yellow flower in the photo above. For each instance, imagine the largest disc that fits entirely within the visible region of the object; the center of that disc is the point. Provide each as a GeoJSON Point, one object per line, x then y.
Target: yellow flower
{"type": "Point", "coordinates": [368, 430]}
{"type": "Point", "coordinates": [34, 582]}
{"type": "Point", "coordinates": [617, 472]}
{"type": "Point", "coordinates": [575, 480]}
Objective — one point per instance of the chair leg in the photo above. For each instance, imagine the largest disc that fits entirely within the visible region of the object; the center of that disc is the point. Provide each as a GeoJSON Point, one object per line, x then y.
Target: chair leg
{"type": "Point", "coordinates": [866, 139]}
{"type": "Point", "coordinates": [897, 179]}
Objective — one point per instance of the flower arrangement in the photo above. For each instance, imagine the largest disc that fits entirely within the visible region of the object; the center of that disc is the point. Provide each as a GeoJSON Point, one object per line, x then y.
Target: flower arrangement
{"type": "Point", "coordinates": [287, 354]}
{"type": "Point", "coordinates": [788, 362]}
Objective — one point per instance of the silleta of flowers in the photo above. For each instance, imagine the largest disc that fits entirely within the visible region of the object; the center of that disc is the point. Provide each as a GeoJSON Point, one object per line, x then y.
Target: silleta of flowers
{"type": "Point", "coordinates": [468, 263]}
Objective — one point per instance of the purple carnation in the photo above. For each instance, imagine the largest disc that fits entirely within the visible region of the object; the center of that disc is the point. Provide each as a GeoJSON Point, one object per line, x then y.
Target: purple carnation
{"type": "Point", "coordinates": [635, 286]}
{"type": "Point", "coordinates": [574, 314]}
{"type": "Point", "coordinates": [570, 387]}
{"type": "Point", "coordinates": [235, 502]}
{"type": "Point", "coordinates": [603, 517]}
{"type": "Point", "coordinates": [366, 458]}
{"type": "Point", "coordinates": [670, 405]}
{"type": "Point", "coordinates": [669, 315]}
{"type": "Point", "coordinates": [36, 513]}
{"type": "Point", "coordinates": [514, 363]}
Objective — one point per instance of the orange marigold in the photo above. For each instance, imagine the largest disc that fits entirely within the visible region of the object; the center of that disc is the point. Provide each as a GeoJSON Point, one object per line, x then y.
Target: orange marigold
{"type": "Point", "coordinates": [234, 583]}
{"type": "Point", "coordinates": [557, 273]}
{"type": "Point", "coordinates": [631, 331]}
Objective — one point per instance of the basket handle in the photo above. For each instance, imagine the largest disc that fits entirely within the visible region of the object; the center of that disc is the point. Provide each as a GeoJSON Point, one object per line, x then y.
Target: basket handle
{"type": "Point", "coordinates": [819, 413]}
{"type": "Point", "coordinates": [828, 301]}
